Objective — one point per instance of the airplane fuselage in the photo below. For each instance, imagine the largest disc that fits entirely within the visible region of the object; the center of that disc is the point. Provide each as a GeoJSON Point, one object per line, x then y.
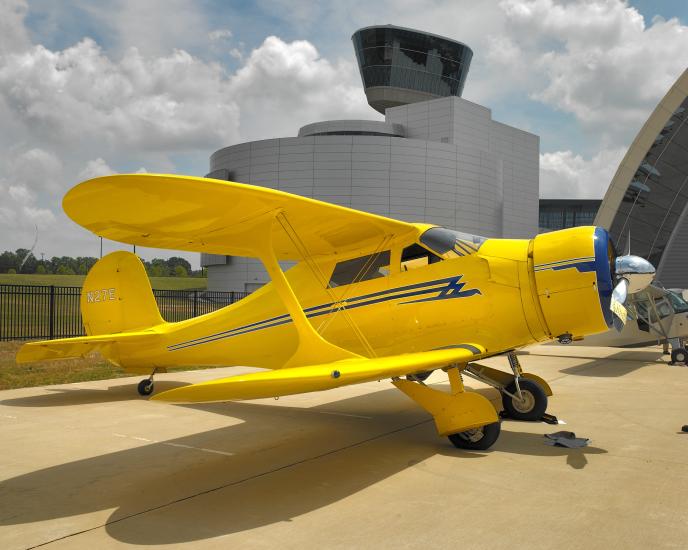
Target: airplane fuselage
{"type": "Point", "coordinates": [501, 295]}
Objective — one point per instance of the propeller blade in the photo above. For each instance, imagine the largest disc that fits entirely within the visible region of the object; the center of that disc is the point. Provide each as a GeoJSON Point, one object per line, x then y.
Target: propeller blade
{"type": "Point", "coordinates": [621, 291]}
{"type": "Point", "coordinates": [620, 312]}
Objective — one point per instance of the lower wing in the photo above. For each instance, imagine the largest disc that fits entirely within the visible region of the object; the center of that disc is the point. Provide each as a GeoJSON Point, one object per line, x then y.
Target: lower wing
{"type": "Point", "coordinates": [319, 377]}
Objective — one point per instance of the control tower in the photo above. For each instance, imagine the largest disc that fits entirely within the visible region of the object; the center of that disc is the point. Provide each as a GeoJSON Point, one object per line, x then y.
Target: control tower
{"type": "Point", "coordinates": [401, 66]}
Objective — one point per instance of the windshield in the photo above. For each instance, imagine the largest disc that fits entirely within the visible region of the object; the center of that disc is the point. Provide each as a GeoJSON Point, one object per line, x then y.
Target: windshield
{"type": "Point", "coordinates": [451, 244]}
{"type": "Point", "coordinates": [677, 302]}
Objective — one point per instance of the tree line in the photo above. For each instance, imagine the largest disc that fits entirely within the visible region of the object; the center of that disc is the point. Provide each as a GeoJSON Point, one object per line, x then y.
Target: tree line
{"type": "Point", "coordinates": [23, 261]}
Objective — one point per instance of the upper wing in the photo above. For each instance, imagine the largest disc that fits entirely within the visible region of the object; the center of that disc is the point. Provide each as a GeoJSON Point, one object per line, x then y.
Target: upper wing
{"type": "Point", "coordinates": [319, 377]}
{"type": "Point", "coordinates": [219, 217]}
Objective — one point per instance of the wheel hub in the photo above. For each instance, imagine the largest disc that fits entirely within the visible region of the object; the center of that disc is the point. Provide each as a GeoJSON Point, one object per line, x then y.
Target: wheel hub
{"type": "Point", "coordinates": [473, 436]}
{"type": "Point", "coordinates": [526, 403]}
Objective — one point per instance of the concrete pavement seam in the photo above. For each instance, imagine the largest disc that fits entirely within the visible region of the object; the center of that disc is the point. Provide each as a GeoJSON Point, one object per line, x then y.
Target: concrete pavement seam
{"type": "Point", "coordinates": [233, 483]}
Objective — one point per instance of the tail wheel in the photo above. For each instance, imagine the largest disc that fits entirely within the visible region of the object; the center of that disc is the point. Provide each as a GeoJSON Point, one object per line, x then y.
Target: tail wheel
{"type": "Point", "coordinates": [531, 407]}
{"type": "Point", "coordinates": [145, 387]}
{"type": "Point", "coordinates": [479, 439]}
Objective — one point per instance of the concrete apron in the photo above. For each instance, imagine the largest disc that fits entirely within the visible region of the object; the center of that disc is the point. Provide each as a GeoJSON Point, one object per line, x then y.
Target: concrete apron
{"type": "Point", "coordinates": [94, 465]}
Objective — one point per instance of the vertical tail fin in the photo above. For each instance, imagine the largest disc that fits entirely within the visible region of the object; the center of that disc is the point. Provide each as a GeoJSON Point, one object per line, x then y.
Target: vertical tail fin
{"type": "Point", "coordinates": [117, 296]}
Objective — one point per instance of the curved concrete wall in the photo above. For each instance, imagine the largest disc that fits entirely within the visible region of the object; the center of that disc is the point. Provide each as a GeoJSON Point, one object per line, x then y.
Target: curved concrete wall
{"type": "Point", "coordinates": [483, 180]}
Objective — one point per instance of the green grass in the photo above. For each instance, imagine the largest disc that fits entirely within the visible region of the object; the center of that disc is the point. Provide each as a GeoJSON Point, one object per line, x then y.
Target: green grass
{"type": "Point", "coordinates": [44, 373]}
{"type": "Point", "coordinates": [62, 371]}
{"type": "Point", "coordinates": [161, 283]}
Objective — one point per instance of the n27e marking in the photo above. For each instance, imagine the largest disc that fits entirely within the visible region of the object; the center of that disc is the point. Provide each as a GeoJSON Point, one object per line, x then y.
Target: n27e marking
{"type": "Point", "coordinates": [100, 295]}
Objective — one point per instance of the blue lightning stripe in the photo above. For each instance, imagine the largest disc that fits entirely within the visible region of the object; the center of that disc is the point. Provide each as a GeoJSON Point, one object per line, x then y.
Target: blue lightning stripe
{"type": "Point", "coordinates": [570, 260]}
{"type": "Point", "coordinates": [327, 307]}
{"type": "Point", "coordinates": [580, 266]}
{"type": "Point", "coordinates": [462, 246]}
{"type": "Point", "coordinates": [324, 309]}
{"type": "Point", "coordinates": [453, 290]}
{"type": "Point", "coordinates": [449, 288]}
{"type": "Point", "coordinates": [470, 245]}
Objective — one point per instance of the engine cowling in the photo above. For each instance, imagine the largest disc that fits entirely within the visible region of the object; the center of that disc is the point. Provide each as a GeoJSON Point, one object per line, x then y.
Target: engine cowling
{"type": "Point", "coordinates": [574, 277]}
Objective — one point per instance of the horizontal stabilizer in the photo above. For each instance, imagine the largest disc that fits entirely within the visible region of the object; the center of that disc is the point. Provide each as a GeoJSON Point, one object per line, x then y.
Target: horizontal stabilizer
{"type": "Point", "coordinates": [319, 377]}
{"type": "Point", "coordinates": [78, 347]}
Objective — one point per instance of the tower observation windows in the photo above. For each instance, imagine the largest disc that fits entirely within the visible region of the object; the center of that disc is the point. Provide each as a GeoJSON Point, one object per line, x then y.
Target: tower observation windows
{"type": "Point", "coordinates": [404, 58]}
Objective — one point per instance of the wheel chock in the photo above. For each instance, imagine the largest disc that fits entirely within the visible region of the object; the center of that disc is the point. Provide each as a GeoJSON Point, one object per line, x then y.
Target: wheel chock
{"type": "Point", "coordinates": [452, 413]}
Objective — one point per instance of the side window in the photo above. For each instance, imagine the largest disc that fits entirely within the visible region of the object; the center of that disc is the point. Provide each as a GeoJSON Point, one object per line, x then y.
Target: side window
{"type": "Point", "coordinates": [645, 311]}
{"type": "Point", "coordinates": [415, 256]}
{"type": "Point", "coordinates": [663, 308]}
{"type": "Point", "coordinates": [364, 268]}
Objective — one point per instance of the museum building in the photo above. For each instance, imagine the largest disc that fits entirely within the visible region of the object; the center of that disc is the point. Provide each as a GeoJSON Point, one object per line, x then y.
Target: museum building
{"type": "Point", "coordinates": [436, 158]}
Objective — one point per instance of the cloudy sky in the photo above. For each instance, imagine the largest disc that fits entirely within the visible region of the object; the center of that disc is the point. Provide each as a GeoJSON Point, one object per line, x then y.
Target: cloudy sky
{"type": "Point", "coordinates": [95, 87]}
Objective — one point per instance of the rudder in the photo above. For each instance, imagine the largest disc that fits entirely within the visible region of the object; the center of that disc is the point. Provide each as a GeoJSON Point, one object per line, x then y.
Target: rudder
{"type": "Point", "coordinates": [117, 296]}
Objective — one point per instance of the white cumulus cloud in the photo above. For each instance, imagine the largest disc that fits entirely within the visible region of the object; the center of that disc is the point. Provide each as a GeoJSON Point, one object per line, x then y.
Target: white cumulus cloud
{"type": "Point", "coordinates": [598, 60]}
{"type": "Point", "coordinates": [94, 169]}
{"type": "Point", "coordinates": [284, 85]}
{"type": "Point", "coordinates": [219, 34]}
{"type": "Point", "coordinates": [564, 174]}
{"type": "Point", "coordinates": [13, 34]}
{"type": "Point", "coordinates": [79, 94]}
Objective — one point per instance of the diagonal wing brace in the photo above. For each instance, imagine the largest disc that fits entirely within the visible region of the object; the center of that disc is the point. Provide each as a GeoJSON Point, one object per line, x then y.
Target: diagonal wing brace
{"type": "Point", "coordinates": [311, 348]}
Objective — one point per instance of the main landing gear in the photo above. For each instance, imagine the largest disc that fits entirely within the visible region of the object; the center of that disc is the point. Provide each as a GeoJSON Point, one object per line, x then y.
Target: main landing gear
{"type": "Point", "coordinates": [478, 439]}
{"type": "Point", "coordinates": [524, 395]}
{"type": "Point", "coordinates": [679, 354]}
{"type": "Point", "coordinates": [469, 419]}
{"type": "Point", "coordinates": [146, 385]}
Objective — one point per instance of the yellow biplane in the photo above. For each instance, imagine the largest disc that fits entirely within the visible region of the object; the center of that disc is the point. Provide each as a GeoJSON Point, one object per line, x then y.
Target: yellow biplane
{"type": "Point", "coordinates": [369, 298]}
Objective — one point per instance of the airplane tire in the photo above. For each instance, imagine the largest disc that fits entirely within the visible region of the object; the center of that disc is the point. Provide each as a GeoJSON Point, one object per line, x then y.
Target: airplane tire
{"type": "Point", "coordinates": [468, 439]}
{"type": "Point", "coordinates": [679, 355]}
{"type": "Point", "coordinates": [420, 376]}
{"type": "Point", "coordinates": [145, 387]}
{"type": "Point", "coordinates": [535, 397]}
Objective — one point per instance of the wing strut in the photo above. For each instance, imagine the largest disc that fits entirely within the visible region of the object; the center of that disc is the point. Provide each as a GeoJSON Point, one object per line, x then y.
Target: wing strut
{"type": "Point", "coordinates": [311, 348]}
{"type": "Point", "coordinates": [320, 277]}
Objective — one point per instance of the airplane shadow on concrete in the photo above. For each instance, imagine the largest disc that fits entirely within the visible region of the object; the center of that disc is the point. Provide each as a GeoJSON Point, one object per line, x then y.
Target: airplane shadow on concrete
{"type": "Point", "coordinates": [276, 464]}
{"type": "Point", "coordinates": [68, 396]}
{"type": "Point", "coordinates": [618, 364]}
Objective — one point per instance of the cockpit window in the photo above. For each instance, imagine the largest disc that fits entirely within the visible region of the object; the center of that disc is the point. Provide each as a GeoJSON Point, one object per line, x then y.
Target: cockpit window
{"type": "Point", "coordinates": [677, 302]}
{"type": "Point", "coordinates": [449, 243]}
{"type": "Point", "coordinates": [364, 268]}
{"type": "Point", "coordinates": [415, 256]}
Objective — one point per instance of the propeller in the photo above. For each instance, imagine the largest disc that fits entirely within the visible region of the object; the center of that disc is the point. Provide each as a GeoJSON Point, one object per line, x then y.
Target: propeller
{"type": "Point", "coordinates": [633, 274]}
{"type": "Point", "coordinates": [619, 295]}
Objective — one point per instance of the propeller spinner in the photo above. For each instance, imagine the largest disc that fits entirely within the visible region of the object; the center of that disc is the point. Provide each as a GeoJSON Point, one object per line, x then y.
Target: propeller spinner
{"type": "Point", "coordinates": [633, 274]}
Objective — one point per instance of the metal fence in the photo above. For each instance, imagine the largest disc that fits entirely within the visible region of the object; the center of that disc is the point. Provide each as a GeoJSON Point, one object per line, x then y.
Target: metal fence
{"type": "Point", "coordinates": [45, 312]}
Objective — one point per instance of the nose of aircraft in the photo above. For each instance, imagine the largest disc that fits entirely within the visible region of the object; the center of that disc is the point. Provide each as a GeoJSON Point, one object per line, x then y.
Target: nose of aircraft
{"type": "Point", "coordinates": [632, 274]}
{"type": "Point", "coordinates": [636, 270]}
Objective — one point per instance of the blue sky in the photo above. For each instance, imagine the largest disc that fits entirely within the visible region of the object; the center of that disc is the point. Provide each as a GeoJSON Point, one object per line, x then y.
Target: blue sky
{"type": "Point", "coordinates": [79, 81]}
